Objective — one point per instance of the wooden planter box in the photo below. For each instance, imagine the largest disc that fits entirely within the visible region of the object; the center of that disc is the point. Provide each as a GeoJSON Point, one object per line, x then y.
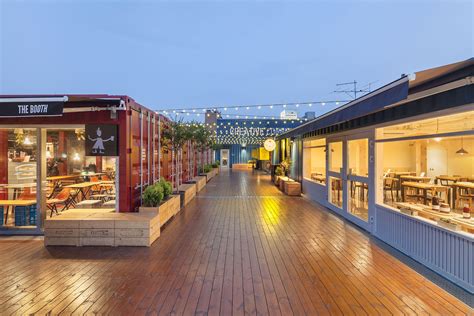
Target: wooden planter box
{"type": "Point", "coordinates": [166, 210]}
{"type": "Point", "coordinates": [281, 183]}
{"type": "Point", "coordinates": [208, 175]}
{"type": "Point", "coordinates": [187, 192]}
{"type": "Point", "coordinates": [102, 228]}
{"type": "Point", "coordinates": [200, 182]}
{"type": "Point", "coordinates": [292, 188]}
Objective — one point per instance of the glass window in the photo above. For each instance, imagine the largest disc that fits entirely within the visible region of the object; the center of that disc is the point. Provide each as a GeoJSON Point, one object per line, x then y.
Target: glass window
{"type": "Point", "coordinates": [18, 165]}
{"type": "Point", "coordinates": [358, 157]}
{"type": "Point", "coordinates": [444, 124]}
{"type": "Point", "coordinates": [335, 157]}
{"type": "Point", "coordinates": [314, 160]}
{"type": "Point", "coordinates": [75, 180]}
{"type": "Point", "coordinates": [335, 191]}
{"type": "Point", "coordinates": [358, 203]}
{"type": "Point", "coordinates": [434, 176]}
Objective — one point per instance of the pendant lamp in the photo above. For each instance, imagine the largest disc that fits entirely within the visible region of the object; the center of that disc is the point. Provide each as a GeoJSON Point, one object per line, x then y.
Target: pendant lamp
{"type": "Point", "coordinates": [462, 151]}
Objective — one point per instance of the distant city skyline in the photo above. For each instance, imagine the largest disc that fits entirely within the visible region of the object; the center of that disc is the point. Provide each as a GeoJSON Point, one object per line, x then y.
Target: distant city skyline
{"type": "Point", "coordinates": [204, 54]}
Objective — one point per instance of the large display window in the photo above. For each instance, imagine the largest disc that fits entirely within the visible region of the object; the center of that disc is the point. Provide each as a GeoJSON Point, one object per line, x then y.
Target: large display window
{"type": "Point", "coordinates": [56, 166]}
{"type": "Point", "coordinates": [314, 162]}
{"type": "Point", "coordinates": [429, 175]}
{"type": "Point", "coordinates": [18, 178]}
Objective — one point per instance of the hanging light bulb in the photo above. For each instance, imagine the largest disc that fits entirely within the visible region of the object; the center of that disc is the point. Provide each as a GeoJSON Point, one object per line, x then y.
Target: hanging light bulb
{"type": "Point", "coordinates": [462, 151]}
{"type": "Point", "coordinates": [271, 106]}
{"type": "Point", "coordinates": [76, 157]}
{"type": "Point", "coordinates": [310, 104]}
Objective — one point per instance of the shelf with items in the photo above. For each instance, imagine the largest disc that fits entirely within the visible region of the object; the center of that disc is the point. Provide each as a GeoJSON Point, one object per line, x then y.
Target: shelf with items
{"type": "Point", "coordinates": [451, 220]}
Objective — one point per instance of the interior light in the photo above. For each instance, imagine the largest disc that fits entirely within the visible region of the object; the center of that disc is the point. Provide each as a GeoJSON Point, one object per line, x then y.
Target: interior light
{"type": "Point", "coordinates": [462, 151]}
{"type": "Point", "coordinates": [438, 139]}
{"type": "Point", "coordinates": [76, 157]}
{"type": "Point", "coordinates": [27, 141]}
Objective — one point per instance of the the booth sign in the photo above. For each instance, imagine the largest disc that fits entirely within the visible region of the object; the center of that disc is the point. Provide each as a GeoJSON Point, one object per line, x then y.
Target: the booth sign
{"type": "Point", "coordinates": [101, 140]}
{"type": "Point", "coordinates": [31, 109]}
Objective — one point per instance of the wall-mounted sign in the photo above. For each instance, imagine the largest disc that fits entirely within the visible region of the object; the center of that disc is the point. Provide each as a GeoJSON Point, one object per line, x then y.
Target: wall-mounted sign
{"type": "Point", "coordinates": [251, 131]}
{"type": "Point", "coordinates": [269, 144]}
{"type": "Point", "coordinates": [102, 140]}
{"type": "Point", "coordinates": [31, 109]}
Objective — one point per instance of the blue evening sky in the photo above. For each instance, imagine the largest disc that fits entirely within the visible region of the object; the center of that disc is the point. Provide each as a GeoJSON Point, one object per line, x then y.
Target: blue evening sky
{"type": "Point", "coordinates": [184, 54]}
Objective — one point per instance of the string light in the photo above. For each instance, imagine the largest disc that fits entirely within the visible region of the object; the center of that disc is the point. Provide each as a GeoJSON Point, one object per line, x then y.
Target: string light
{"type": "Point", "coordinates": [258, 106]}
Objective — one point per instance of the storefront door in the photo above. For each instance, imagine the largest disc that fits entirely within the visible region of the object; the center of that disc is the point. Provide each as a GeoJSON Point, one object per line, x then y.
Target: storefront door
{"type": "Point", "coordinates": [225, 159]}
{"type": "Point", "coordinates": [348, 177]}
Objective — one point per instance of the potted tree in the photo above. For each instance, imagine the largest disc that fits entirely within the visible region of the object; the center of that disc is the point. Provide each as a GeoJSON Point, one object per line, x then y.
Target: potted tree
{"type": "Point", "coordinates": [176, 135]}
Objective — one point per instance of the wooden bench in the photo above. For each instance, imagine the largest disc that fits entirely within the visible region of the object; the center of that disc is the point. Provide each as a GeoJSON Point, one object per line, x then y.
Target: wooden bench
{"type": "Point", "coordinates": [87, 204]}
{"type": "Point", "coordinates": [101, 227]}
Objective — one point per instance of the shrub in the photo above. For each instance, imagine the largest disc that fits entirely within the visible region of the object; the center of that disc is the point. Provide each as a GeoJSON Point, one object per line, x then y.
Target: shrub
{"type": "Point", "coordinates": [167, 187]}
{"type": "Point", "coordinates": [152, 196]}
{"type": "Point", "coordinates": [207, 168]}
{"type": "Point", "coordinates": [215, 165]}
{"type": "Point", "coordinates": [217, 162]}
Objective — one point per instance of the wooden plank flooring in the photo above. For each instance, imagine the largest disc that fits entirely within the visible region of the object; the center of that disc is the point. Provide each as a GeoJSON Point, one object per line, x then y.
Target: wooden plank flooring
{"type": "Point", "coordinates": [240, 247]}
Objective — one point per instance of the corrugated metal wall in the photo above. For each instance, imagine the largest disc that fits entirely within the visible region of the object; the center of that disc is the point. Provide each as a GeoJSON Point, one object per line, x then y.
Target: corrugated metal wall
{"type": "Point", "coordinates": [449, 254]}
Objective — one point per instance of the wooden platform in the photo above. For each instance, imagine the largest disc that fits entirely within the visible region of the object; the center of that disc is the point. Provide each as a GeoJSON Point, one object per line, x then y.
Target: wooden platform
{"type": "Point", "coordinates": [102, 227]}
{"type": "Point", "coordinates": [240, 247]}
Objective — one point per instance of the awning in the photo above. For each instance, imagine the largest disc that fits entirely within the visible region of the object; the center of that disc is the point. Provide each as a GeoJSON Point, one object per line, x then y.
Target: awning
{"type": "Point", "coordinates": [369, 103]}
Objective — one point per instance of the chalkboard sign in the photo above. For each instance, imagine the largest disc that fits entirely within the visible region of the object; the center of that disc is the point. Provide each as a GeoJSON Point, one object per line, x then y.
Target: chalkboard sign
{"type": "Point", "coordinates": [101, 140]}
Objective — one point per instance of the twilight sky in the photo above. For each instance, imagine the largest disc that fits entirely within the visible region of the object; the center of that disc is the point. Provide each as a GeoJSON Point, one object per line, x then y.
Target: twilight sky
{"type": "Point", "coordinates": [185, 54]}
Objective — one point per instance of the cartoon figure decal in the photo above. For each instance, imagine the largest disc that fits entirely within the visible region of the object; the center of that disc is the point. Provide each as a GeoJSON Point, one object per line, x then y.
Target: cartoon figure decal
{"type": "Point", "coordinates": [99, 142]}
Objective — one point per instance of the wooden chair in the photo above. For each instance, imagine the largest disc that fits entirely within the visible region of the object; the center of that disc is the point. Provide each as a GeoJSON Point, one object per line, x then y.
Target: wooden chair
{"type": "Point", "coordinates": [390, 184]}
{"type": "Point", "coordinates": [65, 198]}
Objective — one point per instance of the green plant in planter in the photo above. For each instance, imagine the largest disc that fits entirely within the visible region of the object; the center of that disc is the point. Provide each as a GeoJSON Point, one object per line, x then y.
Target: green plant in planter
{"type": "Point", "coordinates": [217, 162]}
{"type": "Point", "coordinates": [215, 165]}
{"type": "Point", "coordinates": [152, 196]}
{"type": "Point", "coordinates": [278, 171]}
{"type": "Point", "coordinates": [167, 188]}
{"type": "Point", "coordinates": [207, 168]}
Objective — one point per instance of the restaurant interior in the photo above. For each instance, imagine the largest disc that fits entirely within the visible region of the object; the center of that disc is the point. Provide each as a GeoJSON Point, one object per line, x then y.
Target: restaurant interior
{"type": "Point", "coordinates": [417, 164]}
{"type": "Point", "coordinates": [73, 180]}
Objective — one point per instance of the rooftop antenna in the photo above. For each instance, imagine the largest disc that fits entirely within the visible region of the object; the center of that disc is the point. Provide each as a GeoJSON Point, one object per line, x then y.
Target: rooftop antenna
{"type": "Point", "coordinates": [354, 91]}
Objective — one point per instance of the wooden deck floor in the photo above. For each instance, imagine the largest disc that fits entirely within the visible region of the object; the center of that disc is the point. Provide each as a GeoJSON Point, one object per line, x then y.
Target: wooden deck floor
{"type": "Point", "coordinates": [240, 247]}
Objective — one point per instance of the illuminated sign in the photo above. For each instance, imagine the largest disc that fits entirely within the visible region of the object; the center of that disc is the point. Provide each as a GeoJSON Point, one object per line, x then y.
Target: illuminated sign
{"type": "Point", "coordinates": [269, 144]}
{"type": "Point", "coordinates": [251, 131]}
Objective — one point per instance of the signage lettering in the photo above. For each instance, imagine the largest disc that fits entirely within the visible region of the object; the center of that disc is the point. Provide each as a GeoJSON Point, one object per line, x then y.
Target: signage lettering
{"type": "Point", "coordinates": [28, 109]}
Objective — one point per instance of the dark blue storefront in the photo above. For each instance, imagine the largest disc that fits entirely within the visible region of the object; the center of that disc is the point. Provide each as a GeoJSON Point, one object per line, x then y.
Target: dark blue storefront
{"type": "Point", "coordinates": [243, 136]}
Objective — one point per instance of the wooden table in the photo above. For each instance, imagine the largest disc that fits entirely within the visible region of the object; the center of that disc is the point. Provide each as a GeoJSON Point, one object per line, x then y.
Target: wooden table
{"type": "Point", "coordinates": [319, 178]}
{"type": "Point", "coordinates": [415, 178]}
{"type": "Point", "coordinates": [83, 188]}
{"type": "Point", "coordinates": [447, 178]}
{"type": "Point", "coordinates": [14, 204]}
{"type": "Point", "coordinates": [424, 187]}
